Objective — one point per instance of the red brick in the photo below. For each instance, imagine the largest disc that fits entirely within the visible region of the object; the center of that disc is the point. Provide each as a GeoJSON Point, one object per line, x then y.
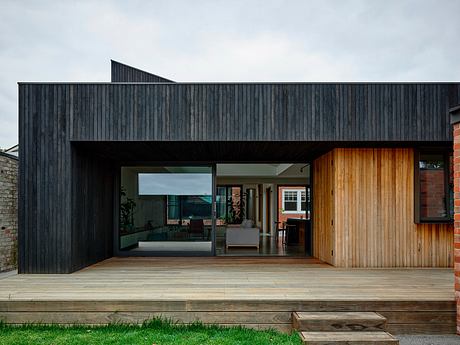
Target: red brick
{"type": "Point", "coordinates": [456, 132]}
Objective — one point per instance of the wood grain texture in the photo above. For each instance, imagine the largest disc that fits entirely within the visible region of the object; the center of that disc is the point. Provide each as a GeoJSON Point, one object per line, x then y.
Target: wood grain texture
{"type": "Point", "coordinates": [55, 118]}
{"type": "Point", "coordinates": [230, 291]}
{"type": "Point", "coordinates": [374, 213]}
{"type": "Point", "coordinates": [348, 338]}
{"type": "Point", "coordinates": [338, 321]}
{"type": "Point", "coordinates": [245, 112]}
{"type": "Point", "coordinates": [323, 208]}
{"type": "Point", "coordinates": [93, 192]}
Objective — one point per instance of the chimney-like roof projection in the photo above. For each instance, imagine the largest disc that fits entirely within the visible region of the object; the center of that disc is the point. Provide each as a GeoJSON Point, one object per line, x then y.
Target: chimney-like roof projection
{"type": "Point", "coordinates": [122, 73]}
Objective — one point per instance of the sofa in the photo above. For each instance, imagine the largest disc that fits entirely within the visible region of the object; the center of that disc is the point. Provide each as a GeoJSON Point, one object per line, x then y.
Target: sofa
{"type": "Point", "coordinates": [245, 235]}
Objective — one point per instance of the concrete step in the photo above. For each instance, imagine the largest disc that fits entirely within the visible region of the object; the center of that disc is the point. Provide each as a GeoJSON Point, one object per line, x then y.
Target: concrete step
{"type": "Point", "coordinates": [338, 321]}
{"type": "Point", "coordinates": [348, 338]}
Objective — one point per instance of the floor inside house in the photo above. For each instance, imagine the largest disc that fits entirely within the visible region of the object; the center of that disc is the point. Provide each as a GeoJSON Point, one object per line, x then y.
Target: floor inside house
{"type": "Point", "coordinates": [268, 246]}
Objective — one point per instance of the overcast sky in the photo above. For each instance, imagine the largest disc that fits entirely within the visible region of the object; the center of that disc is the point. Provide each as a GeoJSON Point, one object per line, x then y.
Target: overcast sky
{"type": "Point", "coordinates": [371, 40]}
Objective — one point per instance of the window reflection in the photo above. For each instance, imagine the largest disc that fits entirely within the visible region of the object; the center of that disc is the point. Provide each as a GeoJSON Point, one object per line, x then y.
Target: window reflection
{"type": "Point", "coordinates": [166, 209]}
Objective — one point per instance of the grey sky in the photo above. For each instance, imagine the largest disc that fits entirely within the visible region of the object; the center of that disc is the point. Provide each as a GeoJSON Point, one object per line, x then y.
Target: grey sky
{"type": "Point", "coordinates": [370, 40]}
{"type": "Point", "coordinates": [175, 184]}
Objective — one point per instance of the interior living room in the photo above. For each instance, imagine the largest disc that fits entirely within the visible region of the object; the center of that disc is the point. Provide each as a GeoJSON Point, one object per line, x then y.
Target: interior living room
{"type": "Point", "coordinates": [260, 210]}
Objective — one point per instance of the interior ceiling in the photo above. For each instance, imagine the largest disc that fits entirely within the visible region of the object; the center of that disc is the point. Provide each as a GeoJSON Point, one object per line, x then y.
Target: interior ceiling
{"type": "Point", "coordinates": [282, 170]}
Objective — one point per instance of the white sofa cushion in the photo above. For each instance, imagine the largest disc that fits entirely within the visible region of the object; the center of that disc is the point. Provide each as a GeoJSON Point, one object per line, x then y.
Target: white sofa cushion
{"type": "Point", "coordinates": [242, 237]}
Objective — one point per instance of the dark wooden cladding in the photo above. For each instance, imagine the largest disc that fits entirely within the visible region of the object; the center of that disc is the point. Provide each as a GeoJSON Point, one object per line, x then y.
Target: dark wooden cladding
{"type": "Point", "coordinates": [262, 112]}
{"type": "Point", "coordinates": [44, 179]}
{"type": "Point", "coordinates": [92, 208]}
{"type": "Point", "coordinates": [122, 73]}
{"type": "Point", "coordinates": [65, 194]}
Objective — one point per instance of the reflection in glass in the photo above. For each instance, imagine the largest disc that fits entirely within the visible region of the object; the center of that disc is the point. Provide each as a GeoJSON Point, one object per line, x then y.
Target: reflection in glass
{"type": "Point", "coordinates": [432, 186]}
{"type": "Point", "coordinates": [230, 205]}
{"type": "Point", "coordinates": [166, 209]}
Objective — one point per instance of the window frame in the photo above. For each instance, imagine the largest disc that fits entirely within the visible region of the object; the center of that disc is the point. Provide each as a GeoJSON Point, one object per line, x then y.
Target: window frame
{"type": "Point", "coordinates": [446, 154]}
{"type": "Point", "coordinates": [298, 201]}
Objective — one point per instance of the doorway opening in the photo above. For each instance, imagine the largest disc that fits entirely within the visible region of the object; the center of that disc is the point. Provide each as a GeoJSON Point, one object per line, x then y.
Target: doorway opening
{"type": "Point", "coordinates": [214, 209]}
{"type": "Point", "coordinates": [258, 224]}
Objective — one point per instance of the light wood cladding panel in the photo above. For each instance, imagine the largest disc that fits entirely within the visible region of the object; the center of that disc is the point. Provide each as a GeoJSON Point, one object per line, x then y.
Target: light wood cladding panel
{"type": "Point", "coordinates": [373, 212]}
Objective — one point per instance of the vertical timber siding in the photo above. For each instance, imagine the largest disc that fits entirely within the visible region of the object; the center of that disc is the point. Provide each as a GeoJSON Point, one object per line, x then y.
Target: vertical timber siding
{"type": "Point", "coordinates": [323, 208]}
{"type": "Point", "coordinates": [270, 112]}
{"type": "Point", "coordinates": [52, 208]}
{"type": "Point", "coordinates": [122, 73]}
{"type": "Point", "coordinates": [374, 213]}
{"type": "Point", "coordinates": [45, 234]}
{"type": "Point", "coordinates": [92, 209]}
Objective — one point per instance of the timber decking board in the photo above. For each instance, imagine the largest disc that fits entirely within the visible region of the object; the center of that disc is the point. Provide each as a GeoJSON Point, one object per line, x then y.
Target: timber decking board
{"type": "Point", "coordinates": [254, 292]}
{"type": "Point", "coordinates": [231, 279]}
{"type": "Point", "coordinates": [348, 338]}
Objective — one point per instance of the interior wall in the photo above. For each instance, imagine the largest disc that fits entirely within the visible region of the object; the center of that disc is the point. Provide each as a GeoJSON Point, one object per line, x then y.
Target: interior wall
{"type": "Point", "coordinates": [264, 182]}
{"type": "Point", "coordinates": [373, 211]}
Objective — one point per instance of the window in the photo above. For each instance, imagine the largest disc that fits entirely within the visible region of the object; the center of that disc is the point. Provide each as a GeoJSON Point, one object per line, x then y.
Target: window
{"type": "Point", "coordinates": [166, 209]}
{"type": "Point", "coordinates": [290, 200]}
{"type": "Point", "coordinates": [303, 201]}
{"type": "Point", "coordinates": [433, 187]}
{"type": "Point", "coordinates": [294, 201]}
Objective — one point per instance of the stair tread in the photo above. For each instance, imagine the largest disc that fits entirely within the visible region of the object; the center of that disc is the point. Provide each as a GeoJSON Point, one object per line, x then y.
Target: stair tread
{"type": "Point", "coordinates": [372, 336]}
{"type": "Point", "coordinates": [371, 316]}
{"type": "Point", "coordinates": [338, 321]}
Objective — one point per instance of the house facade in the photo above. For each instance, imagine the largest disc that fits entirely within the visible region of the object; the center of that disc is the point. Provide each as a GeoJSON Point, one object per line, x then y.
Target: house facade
{"type": "Point", "coordinates": [146, 166]}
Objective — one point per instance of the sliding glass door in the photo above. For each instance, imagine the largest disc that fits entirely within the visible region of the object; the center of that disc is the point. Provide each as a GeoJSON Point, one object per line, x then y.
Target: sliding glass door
{"type": "Point", "coordinates": [166, 210]}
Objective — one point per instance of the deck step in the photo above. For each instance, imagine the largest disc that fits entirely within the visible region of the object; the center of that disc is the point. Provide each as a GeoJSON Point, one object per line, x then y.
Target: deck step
{"type": "Point", "coordinates": [348, 338]}
{"type": "Point", "coordinates": [338, 321]}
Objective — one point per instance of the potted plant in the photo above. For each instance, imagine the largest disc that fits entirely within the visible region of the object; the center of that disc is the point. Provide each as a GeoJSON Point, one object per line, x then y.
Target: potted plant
{"type": "Point", "coordinates": [127, 207]}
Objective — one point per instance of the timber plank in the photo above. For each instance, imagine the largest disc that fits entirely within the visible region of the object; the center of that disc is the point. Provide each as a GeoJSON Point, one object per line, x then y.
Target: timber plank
{"type": "Point", "coordinates": [338, 321]}
{"type": "Point", "coordinates": [348, 338]}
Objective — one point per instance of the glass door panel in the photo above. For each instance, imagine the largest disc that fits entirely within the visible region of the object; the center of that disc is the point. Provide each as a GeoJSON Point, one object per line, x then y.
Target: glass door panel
{"type": "Point", "coordinates": [166, 210]}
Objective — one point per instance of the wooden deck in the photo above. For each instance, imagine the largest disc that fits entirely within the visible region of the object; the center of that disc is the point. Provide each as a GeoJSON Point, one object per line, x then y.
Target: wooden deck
{"type": "Point", "coordinates": [252, 291]}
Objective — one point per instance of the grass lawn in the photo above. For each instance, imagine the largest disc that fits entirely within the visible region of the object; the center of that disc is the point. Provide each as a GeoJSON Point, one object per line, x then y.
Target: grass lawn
{"type": "Point", "coordinates": [156, 332]}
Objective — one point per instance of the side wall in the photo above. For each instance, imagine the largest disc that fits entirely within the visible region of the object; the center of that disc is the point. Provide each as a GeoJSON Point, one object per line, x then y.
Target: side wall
{"type": "Point", "coordinates": [323, 208]}
{"type": "Point", "coordinates": [8, 212]}
{"type": "Point", "coordinates": [373, 217]}
{"type": "Point", "coordinates": [92, 209]}
{"type": "Point", "coordinates": [44, 214]}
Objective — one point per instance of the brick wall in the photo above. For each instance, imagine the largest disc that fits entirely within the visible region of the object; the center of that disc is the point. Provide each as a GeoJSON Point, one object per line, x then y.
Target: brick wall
{"type": "Point", "coordinates": [8, 212]}
{"type": "Point", "coordinates": [432, 193]}
{"type": "Point", "coordinates": [457, 218]}
{"type": "Point", "coordinates": [283, 217]}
